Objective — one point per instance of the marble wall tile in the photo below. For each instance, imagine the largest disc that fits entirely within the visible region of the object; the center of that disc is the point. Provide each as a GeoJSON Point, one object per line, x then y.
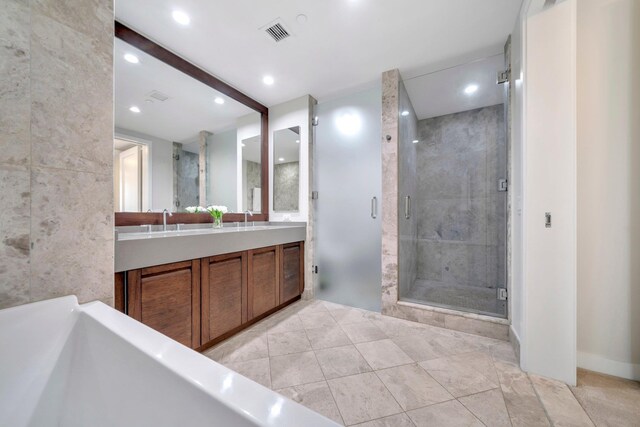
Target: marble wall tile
{"type": "Point", "coordinates": [56, 83]}
{"type": "Point", "coordinates": [466, 264]}
{"type": "Point", "coordinates": [461, 220]}
{"type": "Point", "coordinates": [390, 109]}
{"type": "Point", "coordinates": [497, 331]}
{"type": "Point", "coordinates": [72, 234]}
{"type": "Point", "coordinates": [14, 236]}
{"type": "Point", "coordinates": [286, 187]}
{"type": "Point", "coordinates": [429, 260]}
{"type": "Point", "coordinates": [72, 93]}
{"type": "Point", "coordinates": [93, 18]}
{"type": "Point", "coordinates": [452, 175]}
{"type": "Point", "coordinates": [14, 83]}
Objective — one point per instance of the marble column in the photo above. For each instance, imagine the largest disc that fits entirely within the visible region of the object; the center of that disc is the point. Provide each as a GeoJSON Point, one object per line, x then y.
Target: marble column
{"type": "Point", "coordinates": [202, 167]}
{"type": "Point", "coordinates": [56, 161]}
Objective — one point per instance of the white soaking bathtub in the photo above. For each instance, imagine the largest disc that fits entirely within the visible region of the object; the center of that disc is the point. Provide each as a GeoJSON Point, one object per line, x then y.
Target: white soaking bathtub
{"type": "Point", "coordinates": [65, 364]}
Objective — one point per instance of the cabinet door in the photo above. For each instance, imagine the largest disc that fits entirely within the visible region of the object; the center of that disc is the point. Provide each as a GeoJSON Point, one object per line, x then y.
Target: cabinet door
{"type": "Point", "coordinates": [264, 274]}
{"type": "Point", "coordinates": [292, 271]}
{"type": "Point", "coordinates": [224, 294]}
{"type": "Point", "coordinates": [167, 298]}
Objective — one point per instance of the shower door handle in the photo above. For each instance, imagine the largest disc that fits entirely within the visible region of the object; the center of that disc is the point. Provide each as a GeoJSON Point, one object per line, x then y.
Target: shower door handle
{"type": "Point", "coordinates": [374, 207]}
{"type": "Point", "coordinates": [407, 207]}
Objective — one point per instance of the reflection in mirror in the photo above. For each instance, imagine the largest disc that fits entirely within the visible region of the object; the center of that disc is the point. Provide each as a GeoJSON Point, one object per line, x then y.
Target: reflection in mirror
{"type": "Point", "coordinates": [251, 174]}
{"type": "Point", "coordinates": [286, 169]}
{"type": "Point", "coordinates": [178, 141]}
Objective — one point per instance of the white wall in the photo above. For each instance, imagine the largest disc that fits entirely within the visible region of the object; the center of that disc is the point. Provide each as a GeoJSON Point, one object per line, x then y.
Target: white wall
{"type": "Point", "coordinates": [282, 116]}
{"type": "Point", "coordinates": [222, 165]}
{"type": "Point", "coordinates": [549, 257]}
{"type": "Point", "coordinates": [609, 186]}
{"type": "Point", "coordinates": [161, 167]}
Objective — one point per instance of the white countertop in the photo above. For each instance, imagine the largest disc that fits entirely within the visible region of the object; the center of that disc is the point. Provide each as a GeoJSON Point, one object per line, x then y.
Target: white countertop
{"type": "Point", "coordinates": [137, 249]}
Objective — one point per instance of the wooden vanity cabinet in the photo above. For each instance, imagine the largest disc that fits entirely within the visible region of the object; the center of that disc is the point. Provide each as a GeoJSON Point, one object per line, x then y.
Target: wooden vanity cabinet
{"type": "Point", "coordinates": [202, 301]}
{"type": "Point", "coordinates": [167, 299]}
{"type": "Point", "coordinates": [224, 294]}
{"type": "Point", "coordinates": [264, 278]}
{"type": "Point", "coordinates": [292, 271]}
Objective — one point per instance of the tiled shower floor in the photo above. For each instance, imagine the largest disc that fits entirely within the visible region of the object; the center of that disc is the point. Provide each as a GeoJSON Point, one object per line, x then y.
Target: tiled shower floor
{"type": "Point", "coordinates": [458, 297]}
{"type": "Point", "coordinates": [361, 368]}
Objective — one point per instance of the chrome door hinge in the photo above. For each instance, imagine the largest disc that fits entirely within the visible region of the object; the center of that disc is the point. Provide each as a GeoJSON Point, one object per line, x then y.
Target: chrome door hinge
{"type": "Point", "coordinates": [503, 76]}
{"type": "Point", "coordinates": [314, 195]}
{"type": "Point", "coordinates": [503, 185]}
{"type": "Point", "coordinates": [315, 269]}
{"type": "Point", "coordinates": [502, 294]}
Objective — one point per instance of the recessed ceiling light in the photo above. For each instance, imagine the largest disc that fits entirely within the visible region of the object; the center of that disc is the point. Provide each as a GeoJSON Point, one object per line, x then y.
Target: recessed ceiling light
{"type": "Point", "coordinates": [180, 17]}
{"type": "Point", "coordinates": [130, 57]}
{"type": "Point", "coordinates": [219, 101]}
{"type": "Point", "coordinates": [302, 18]}
{"type": "Point", "coordinates": [268, 80]}
{"type": "Point", "coordinates": [405, 113]}
{"type": "Point", "coordinates": [134, 109]}
{"type": "Point", "coordinates": [471, 89]}
{"type": "Point", "coordinates": [297, 141]}
{"type": "Point", "coordinates": [281, 159]}
{"type": "Point", "coordinates": [415, 141]}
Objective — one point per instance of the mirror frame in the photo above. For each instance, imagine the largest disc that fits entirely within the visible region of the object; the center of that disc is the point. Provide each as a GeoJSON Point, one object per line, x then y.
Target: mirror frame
{"type": "Point", "coordinates": [139, 41]}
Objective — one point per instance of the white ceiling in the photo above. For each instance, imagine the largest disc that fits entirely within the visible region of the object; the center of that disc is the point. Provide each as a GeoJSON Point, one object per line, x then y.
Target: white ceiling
{"type": "Point", "coordinates": [345, 44]}
{"type": "Point", "coordinates": [189, 109]}
{"type": "Point", "coordinates": [251, 150]}
{"type": "Point", "coordinates": [285, 146]}
{"type": "Point", "coordinates": [442, 92]}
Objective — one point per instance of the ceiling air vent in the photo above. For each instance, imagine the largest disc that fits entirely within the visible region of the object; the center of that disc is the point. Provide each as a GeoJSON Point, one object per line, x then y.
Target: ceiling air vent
{"type": "Point", "coordinates": [157, 95]}
{"type": "Point", "coordinates": [276, 31]}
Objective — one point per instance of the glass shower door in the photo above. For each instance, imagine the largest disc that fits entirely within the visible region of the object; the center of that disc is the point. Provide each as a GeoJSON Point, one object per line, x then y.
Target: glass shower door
{"type": "Point", "coordinates": [347, 167]}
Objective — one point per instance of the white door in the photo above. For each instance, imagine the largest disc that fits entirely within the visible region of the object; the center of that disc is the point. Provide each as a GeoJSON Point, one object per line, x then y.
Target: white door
{"type": "Point", "coordinates": [549, 342]}
{"type": "Point", "coordinates": [131, 180]}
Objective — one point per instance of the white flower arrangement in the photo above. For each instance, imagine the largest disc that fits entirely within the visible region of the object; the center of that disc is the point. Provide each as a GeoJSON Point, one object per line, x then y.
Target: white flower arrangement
{"type": "Point", "coordinates": [216, 213]}
{"type": "Point", "coordinates": [195, 209]}
{"type": "Point", "coordinates": [217, 210]}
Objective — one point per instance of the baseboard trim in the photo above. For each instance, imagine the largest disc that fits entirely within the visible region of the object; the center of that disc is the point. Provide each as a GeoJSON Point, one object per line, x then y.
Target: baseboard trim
{"type": "Point", "coordinates": [597, 363]}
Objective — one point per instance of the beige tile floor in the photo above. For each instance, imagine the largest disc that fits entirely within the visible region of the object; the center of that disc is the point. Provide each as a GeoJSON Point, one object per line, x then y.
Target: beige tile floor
{"type": "Point", "coordinates": [361, 368]}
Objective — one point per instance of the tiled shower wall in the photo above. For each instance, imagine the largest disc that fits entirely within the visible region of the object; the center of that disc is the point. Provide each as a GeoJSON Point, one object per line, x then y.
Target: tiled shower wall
{"type": "Point", "coordinates": [56, 150]}
{"type": "Point", "coordinates": [186, 178]}
{"type": "Point", "coordinates": [461, 213]}
{"type": "Point", "coordinates": [286, 187]}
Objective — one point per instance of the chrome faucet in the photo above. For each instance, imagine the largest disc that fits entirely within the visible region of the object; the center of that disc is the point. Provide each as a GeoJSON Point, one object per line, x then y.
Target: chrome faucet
{"type": "Point", "coordinates": [247, 212]}
{"type": "Point", "coordinates": [164, 219]}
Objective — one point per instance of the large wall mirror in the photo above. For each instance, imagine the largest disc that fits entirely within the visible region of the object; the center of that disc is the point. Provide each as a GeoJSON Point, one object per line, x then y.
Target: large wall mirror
{"type": "Point", "coordinates": [183, 138]}
{"type": "Point", "coordinates": [286, 170]}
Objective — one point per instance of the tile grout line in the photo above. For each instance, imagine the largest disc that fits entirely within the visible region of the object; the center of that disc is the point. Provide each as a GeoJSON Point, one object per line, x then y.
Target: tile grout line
{"type": "Point", "coordinates": [325, 378]}
{"type": "Point", "coordinates": [580, 403]}
{"type": "Point", "coordinates": [544, 408]}
{"type": "Point", "coordinates": [502, 392]}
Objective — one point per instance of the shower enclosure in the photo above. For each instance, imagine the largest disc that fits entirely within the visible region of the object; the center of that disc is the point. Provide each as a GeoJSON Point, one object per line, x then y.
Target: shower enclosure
{"type": "Point", "coordinates": [453, 189]}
